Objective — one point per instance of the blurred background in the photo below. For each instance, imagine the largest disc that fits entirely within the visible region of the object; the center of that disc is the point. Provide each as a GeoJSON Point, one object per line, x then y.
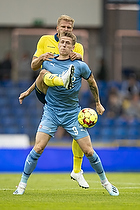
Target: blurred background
{"type": "Point", "coordinates": [110, 33]}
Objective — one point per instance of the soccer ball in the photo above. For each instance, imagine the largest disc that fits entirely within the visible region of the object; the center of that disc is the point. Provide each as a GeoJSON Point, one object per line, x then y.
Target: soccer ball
{"type": "Point", "coordinates": [87, 117]}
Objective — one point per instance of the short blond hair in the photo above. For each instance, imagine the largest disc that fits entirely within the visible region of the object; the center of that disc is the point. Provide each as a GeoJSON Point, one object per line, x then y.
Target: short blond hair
{"type": "Point", "coordinates": [71, 35]}
{"type": "Point", "coordinates": [66, 18]}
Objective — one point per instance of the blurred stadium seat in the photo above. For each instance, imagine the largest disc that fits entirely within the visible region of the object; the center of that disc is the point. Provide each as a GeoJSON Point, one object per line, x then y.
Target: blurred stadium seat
{"type": "Point", "coordinates": [3, 101]}
{"type": "Point", "coordinates": [107, 134]}
{"type": "Point", "coordinates": [13, 129]}
{"type": "Point", "coordinates": [121, 122]}
{"type": "Point", "coordinates": [107, 122]}
{"type": "Point", "coordinates": [120, 132]}
{"type": "Point", "coordinates": [95, 133]}
{"type": "Point", "coordinates": [133, 133]}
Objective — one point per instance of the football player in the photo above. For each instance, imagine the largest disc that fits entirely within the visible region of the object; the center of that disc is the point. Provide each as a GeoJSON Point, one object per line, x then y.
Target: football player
{"type": "Point", "coordinates": [47, 47]}
{"type": "Point", "coordinates": [62, 109]}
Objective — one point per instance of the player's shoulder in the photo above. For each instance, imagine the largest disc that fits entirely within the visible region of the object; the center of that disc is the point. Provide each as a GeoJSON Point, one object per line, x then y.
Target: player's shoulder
{"type": "Point", "coordinates": [46, 37]}
{"type": "Point", "coordinates": [78, 44]}
{"type": "Point", "coordinates": [79, 62]}
{"type": "Point", "coordinates": [83, 66]}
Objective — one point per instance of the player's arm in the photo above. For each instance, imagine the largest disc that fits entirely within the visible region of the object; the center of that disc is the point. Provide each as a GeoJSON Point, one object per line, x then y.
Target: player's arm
{"type": "Point", "coordinates": [74, 56]}
{"type": "Point", "coordinates": [37, 61]}
{"type": "Point", "coordinates": [94, 89]}
{"type": "Point", "coordinates": [40, 55]}
{"type": "Point", "coordinates": [78, 52]}
{"type": "Point", "coordinates": [26, 93]}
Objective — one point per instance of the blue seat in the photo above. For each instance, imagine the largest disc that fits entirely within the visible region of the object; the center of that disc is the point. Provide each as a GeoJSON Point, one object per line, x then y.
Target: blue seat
{"type": "Point", "coordinates": [7, 83]}
{"type": "Point", "coordinates": [8, 121]}
{"type": "Point", "coordinates": [120, 132]}
{"type": "Point", "coordinates": [107, 134]}
{"type": "Point", "coordinates": [34, 121]}
{"type": "Point", "coordinates": [134, 133]}
{"type": "Point", "coordinates": [4, 101]}
{"type": "Point", "coordinates": [4, 112]}
{"type": "Point", "coordinates": [19, 111]}
{"type": "Point", "coordinates": [115, 84]}
{"type": "Point", "coordinates": [2, 92]}
{"type": "Point", "coordinates": [13, 92]}
{"type": "Point", "coordinates": [15, 102]}
{"type": "Point", "coordinates": [1, 129]}
{"type": "Point", "coordinates": [134, 123]}
{"type": "Point", "coordinates": [95, 133]}
{"type": "Point", "coordinates": [11, 130]}
{"type": "Point", "coordinates": [85, 99]}
{"type": "Point", "coordinates": [34, 112]}
{"type": "Point", "coordinates": [23, 121]}
{"type": "Point", "coordinates": [121, 122]}
{"type": "Point", "coordinates": [107, 122]}
{"type": "Point", "coordinates": [102, 84]}
{"type": "Point", "coordinates": [24, 84]}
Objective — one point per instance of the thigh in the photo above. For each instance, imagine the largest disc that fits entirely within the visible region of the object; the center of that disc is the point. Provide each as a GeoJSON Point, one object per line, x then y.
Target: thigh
{"type": "Point", "coordinates": [86, 145]}
{"type": "Point", "coordinates": [40, 95]}
{"type": "Point", "coordinates": [72, 125]}
{"type": "Point", "coordinates": [49, 122]}
{"type": "Point", "coordinates": [41, 141]}
{"type": "Point", "coordinates": [40, 83]}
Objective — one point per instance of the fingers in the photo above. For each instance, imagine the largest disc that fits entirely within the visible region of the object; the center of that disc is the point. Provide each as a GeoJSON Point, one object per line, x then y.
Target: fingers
{"type": "Point", "coordinates": [20, 101]}
{"type": "Point", "coordinates": [48, 56]}
{"type": "Point", "coordinates": [100, 112]}
{"type": "Point", "coordinates": [100, 109]}
{"type": "Point", "coordinates": [21, 97]}
{"type": "Point", "coordinates": [73, 57]}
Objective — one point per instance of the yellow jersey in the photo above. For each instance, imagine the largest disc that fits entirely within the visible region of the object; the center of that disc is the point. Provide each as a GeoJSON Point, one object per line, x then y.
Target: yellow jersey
{"type": "Point", "coordinates": [49, 43]}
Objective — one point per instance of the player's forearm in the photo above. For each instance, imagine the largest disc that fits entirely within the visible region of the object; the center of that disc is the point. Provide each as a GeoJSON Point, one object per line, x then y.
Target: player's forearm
{"type": "Point", "coordinates": [36, 63]}
{"type": "Point", "coordinates": [95, 92]}
{"type": "Point", "coordinates": [94, 89]}
{"type": "Point", "coordinates": [31, 88]}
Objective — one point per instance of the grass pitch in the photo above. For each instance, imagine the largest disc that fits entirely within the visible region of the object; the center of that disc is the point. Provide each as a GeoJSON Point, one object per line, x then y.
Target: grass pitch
{"type": "Point", "coordinates": [57, 192]}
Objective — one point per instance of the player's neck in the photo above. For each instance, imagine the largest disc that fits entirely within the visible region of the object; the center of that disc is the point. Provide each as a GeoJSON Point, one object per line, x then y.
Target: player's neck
{"type": "Point", "coordinates": [63, 57]}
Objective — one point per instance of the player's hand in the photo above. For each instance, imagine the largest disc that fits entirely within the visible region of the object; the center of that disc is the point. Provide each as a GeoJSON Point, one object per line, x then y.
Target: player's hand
{"type": "Point", "coordinates": [99, 108]}
{"type": "Point", "coordinates": [47, 56]}
{"type": "Point", "coordinates": [22, 96]}
{"type": "Point", "coordinates": [74, 56]}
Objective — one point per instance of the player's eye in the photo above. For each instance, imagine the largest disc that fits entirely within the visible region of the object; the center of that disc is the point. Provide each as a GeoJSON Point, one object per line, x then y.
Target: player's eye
{"type": "Point", "coordinates": [62, 42]}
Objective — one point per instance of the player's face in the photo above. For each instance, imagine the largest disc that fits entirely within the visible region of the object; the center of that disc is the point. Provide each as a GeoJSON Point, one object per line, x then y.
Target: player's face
{"type": "Point", "coordinates": [64, 26]}
{"type": "Point", "coordinates": [65, 46]}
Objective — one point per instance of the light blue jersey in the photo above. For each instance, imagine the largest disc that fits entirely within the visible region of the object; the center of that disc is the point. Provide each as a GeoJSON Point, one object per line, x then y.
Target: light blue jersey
{"type": "Point", "coordinates": [62, 107]}
{"type": "Point", "coordinates": [60, 97]}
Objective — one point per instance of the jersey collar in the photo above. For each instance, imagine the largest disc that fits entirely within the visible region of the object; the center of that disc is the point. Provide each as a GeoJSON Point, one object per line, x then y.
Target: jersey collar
{"type": "Point", "coordinates": [56, 37]}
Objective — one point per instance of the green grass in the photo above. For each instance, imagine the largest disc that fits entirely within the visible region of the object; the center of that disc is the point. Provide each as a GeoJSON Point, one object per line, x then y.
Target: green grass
{"type": "Point", "coordinates": [58, 192]}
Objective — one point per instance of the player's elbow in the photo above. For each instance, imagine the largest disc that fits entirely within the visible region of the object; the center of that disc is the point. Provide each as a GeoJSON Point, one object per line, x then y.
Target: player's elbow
{"type": "Point", "coordinates": [42, 73]}
{"type": "Point", "coordinates": [33, 67]}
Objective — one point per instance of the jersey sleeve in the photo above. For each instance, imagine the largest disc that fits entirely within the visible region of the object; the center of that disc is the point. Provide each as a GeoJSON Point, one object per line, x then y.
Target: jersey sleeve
{"type": "Point", "coordinates": [40, 47]}
{"type": "Point", "coordinates": [79, 49]}
{"type": "Point", "coordinates": [85, 70]}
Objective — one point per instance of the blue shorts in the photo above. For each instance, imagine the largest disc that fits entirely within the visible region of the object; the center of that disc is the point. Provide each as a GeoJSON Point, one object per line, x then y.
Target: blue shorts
{"type": "Point", "coordinates": [68, 119]}
{"type": "Point", "coordinates": [40, 95]}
